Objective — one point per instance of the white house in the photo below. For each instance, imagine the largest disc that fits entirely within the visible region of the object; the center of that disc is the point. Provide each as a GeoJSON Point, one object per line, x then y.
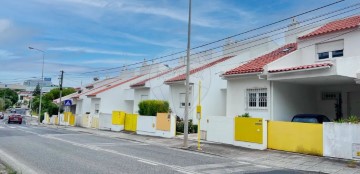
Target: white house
{"type": "Point", "coordinates": [214, 89]}
{"type": "Point", "coordinates": [316, 75]}
{"type": "Point", "coordinates": [153, 87]}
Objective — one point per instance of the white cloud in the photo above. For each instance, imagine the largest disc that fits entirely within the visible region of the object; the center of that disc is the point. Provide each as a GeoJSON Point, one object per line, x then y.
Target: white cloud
{"type": "Point", "coordinates": [95, 51]}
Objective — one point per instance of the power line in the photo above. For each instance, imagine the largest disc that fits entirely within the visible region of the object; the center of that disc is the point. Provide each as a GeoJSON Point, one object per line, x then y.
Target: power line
{"type": "Point", "coordinates": [253, 45]}
{"type": "Point", "coordinates": [248, 31]}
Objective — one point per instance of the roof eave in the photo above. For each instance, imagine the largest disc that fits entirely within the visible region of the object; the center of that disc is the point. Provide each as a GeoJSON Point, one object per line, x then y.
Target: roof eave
{"type": "Point", "coordinates": [231, 76]}
{"type": "Point", "coordinates": [301, 70]}
{"type": "Point", "coordinates": [174, 82]}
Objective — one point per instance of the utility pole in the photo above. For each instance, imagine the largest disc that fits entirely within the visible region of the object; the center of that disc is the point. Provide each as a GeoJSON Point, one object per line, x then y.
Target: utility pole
{"type": "Point", "coordinates": [186, 122]}
{"type": "Point", "coordinates": [60, 84]}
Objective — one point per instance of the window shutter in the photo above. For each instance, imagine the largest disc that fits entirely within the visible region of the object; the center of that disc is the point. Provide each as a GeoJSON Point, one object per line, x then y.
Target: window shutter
{"type": "Point", "coordinates": [330, 46]}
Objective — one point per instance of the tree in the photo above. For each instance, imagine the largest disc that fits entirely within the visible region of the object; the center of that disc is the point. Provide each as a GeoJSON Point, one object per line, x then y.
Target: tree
{"type": "Point", "coordinates": [37, 90]}
{"type": "Point", "coordinates": [47, 100]}
{"type": "Point", "coordinates": [10, 96]}
{"type": "Point", "coordinates": [2, 104]}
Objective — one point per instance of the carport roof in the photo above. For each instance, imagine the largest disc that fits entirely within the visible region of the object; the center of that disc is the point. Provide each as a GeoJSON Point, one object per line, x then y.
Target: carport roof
{"type": "Point", "coordinates": [257, 64]}
{"type": "Point", "coordinates": [301, 67]}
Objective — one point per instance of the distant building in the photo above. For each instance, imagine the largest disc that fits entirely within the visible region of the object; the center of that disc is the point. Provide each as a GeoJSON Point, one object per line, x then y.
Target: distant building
{"type": "Point", "coordinates": [34, 82]}
{"type": "Point", "coordinates": [12, 86]}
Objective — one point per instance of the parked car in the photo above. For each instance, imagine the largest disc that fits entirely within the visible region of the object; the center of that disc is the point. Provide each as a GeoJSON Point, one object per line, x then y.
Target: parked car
{"type": "Point", "coordinates": [17, 118]}
{"type": "Point", "coordinates": [310, 118]}
{"type": "Point", "coordinates": [1, 115]}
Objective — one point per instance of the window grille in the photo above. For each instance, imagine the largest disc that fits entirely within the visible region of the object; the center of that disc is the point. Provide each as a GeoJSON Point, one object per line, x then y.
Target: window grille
{"type": "Point", "coordinates": [329, 95]}
{"type": "Point", "coordinates": [257, 98]}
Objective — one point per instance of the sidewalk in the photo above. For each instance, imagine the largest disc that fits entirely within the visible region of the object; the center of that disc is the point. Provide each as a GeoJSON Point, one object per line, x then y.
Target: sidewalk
{"type": "Point", "coordinates": [272, 158]}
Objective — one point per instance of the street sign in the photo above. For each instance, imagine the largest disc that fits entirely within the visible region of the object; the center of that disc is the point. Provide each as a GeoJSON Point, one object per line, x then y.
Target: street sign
{"type": "Point", "coordinates": [67, 102]}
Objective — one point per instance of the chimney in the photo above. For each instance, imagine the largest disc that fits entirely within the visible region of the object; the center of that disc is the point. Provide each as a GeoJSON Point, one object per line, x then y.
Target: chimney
{"type": "Point", "coordinates": [292, 32]}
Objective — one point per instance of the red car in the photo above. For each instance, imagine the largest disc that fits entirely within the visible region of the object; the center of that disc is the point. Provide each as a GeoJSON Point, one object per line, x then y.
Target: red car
{"type": "Point", "coordinates": [15, 118]}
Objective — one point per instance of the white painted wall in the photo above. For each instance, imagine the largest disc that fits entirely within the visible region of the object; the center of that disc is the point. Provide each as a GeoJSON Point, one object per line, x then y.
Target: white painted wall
{"type": "Point", "coordinates": [219, 129]}
{"type": "Point", "coordinates": [339, 138]}
{"type": "Point", "coordinates": [138, 92]}
{"type": "Point", "coordinates": [105, 121]}
{"type": "Point", "coordinates": [326, 107]}
{"type": "Point", "coordinates": [236, 97]}
{"type": "Point", "coordinates": [291, 99]}
{"type": "Point", "coordinates": [307, 54]}
{"type": "Point", "coordinates": [146, 125]}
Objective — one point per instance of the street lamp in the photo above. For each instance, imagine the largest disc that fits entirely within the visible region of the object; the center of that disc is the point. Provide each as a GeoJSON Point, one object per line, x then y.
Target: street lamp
{"type": "Point", "coordinates": [42, 78]}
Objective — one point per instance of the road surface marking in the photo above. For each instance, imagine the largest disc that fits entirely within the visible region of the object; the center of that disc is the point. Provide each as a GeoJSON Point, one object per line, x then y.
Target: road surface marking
{"type": "Point", "coordinates": [1, 127]}
{"type": "Point", "coordinates": [148, 162]}
{"type": "Point", "coordinates": [176, 168]}
{"type": "Point", "coordinates": [12, 127]}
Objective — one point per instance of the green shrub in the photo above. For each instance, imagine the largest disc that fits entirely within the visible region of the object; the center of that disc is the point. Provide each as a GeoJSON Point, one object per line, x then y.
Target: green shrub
{"type": "Point", "coordinates": [244, 115]}
{"type": "Point", "coordinates": [151, 107]}
{"type": "Point", "coordinates": [353, 119]}
{"type": "Point", "coordinates": [191, 127]}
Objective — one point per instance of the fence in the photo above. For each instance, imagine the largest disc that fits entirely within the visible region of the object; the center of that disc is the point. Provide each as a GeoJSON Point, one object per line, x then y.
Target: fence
{"type": "Point", "coordinates": [304, 138]}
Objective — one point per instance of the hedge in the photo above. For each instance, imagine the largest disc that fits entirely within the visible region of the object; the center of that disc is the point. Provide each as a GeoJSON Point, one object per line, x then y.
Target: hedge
{"type": "Point", "coordinates": [151, 107]}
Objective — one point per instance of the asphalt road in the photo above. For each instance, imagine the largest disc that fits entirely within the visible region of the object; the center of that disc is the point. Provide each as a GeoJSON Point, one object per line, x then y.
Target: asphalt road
{"type": "Point", "coordinates": [33, 149]}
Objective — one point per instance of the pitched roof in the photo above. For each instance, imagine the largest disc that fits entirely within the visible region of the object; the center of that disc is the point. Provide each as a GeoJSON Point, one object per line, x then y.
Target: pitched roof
{"type": "Point", "coordinates": [90, 90]}
{"type": "Point", "coordinates": [113, 86]}
{"type": "Point", "coordinates": [183, 76]}
{"type": "Point", "coordinates": [257, 64]}
{"type": "Point", "coordinates": [334, 26]}
{"type": "Point", "coordinates": [142, 83]}
{"type": "Point", "coordinates": [301, 67]}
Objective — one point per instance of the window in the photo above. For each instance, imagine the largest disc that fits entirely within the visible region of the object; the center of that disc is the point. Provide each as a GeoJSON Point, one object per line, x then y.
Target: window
{"type": "Point", "coordinates": [182, 100]}
{"type": "Point", "coordinates": [97, 106]}
{"type": "Point", "coordinates": [144, 97]}
{"type": "Point", "coordinates": [337, 53]}
{"type": "Point", "coordinates": [330, 49]}
{"type": "Point", "coordinates": [257, 98]}
{"type": "Point", "coordinates": [323, 55]}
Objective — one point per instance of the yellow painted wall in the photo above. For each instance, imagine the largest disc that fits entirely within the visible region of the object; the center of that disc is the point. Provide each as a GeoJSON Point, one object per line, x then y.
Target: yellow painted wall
{"type": "Point", "coordinates": [130, 122]}
{"type": "Point", "coordinates": [72, 119]}
{"type": "Point", "coordinates": [304, 138]}
{"type": "Point", "coordinates": [163, 122]}
{"type": "Point", "coordinates": [248, 129]}
{"type": "Point", "coordinates": [85, 120]}
{"type": "Point", "coordinates": [95, 123]}
{"type": "Point", "coordinates": [66, 116]}
{"type": "Point", "coordinates": [118, 118]}
{"type": "Point", "coordinates": [56, 120]}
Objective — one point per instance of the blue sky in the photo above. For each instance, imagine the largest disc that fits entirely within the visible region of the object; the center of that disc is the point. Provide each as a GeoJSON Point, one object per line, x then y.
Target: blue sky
{"type": "Point", "coordinates": [86, 35]}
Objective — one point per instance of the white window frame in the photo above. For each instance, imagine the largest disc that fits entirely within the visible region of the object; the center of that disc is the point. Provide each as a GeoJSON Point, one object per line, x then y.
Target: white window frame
{"type": "Point", "coordinates": [182, 99]}
{"type": "Point", "coordinates": [259, 101]}
{"type": "Point", "coordinates": [330, 51]}
{"type": "Point", "coordinates": [144, 97]}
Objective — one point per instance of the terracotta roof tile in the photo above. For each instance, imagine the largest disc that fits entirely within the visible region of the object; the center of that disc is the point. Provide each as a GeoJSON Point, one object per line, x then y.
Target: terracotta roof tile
{"type": "Point", "coordinates": [142, 83]}
{"type": "Point", "coordinates": [113, 86]}
{"type": "Point", "coordinates": [334, 26]}
{"type": "Point", "coordinates": [183, 76]}
{"type": "Point", "coordinates": [301, 67]}
{"type": "Point", "coordinates": [257, 64]}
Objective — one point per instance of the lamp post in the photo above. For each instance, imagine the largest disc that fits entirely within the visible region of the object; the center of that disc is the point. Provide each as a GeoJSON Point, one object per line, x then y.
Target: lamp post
{"type": "Point", "coordinates": [42, 78]}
